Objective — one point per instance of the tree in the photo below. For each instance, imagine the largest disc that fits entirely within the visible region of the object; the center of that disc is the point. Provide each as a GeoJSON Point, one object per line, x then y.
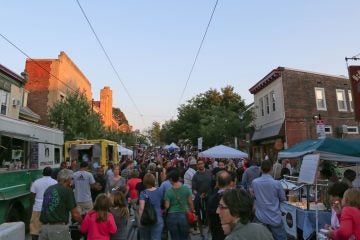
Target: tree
{"type": "Point", "coordinates": [154, 133]}
{"type": "Point", "coordinates": [75, 117]}
{"type": "Point", "coordinates": [119, 116]}
{"type": "Point", "coordinates": [213, 115]}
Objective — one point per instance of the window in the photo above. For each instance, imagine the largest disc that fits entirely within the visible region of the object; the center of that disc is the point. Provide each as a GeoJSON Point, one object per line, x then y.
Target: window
{"type": "Point", "coordinates": [341, 101]}
{"type": "Point", "coordinates": [57, 155]}
{"type": "Point", "coordinates": [352, 130]}
{"type": "Point", "coordinates": [261, 106]}
{"type": "Point", "coordinates": [351, 103]}
{"type": "Point", "coordinates": [267, 104]}
{"type": "Point", "coordinates": [328, 129]}
{"type": "Point", "coordinates": [4, 99]}
{"type": "Point", "coordinates": [320, 98]}
{"type": "Point", "coordinates": [272, 95]}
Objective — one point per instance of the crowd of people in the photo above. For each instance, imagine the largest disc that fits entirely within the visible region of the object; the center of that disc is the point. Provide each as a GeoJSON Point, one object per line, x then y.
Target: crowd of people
{"type": "Point", "coordinates": [235, 199]}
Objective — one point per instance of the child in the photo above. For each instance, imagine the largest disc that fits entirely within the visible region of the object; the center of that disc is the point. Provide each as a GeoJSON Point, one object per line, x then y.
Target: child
{"type": "Point", "coordinates": [99, 223]}
{"type": "Point", "coordinates": [349, 216]}
{"type": "Point", "coordinates": [121, 215]}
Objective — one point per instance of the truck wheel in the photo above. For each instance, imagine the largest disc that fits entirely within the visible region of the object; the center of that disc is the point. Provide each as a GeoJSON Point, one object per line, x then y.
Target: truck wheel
{"type": "Point", "coordinates": [13, 215]}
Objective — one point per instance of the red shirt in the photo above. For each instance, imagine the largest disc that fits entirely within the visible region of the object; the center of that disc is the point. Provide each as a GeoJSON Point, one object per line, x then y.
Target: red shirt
{"type": "Point", "coordinates": [98, 230]}
{"type": "Point", "coordinates": [132, 182]}
{"type": "Point", "coordinates": [349, 224]}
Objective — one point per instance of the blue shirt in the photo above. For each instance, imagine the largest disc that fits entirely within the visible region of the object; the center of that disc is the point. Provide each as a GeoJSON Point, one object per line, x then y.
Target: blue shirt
{"type": "Point", "coordinates": [165, 186]}
{"type": "Point", "coordinates": [268, 195]}
{"type": "Point", "coordinates": [155, 199]}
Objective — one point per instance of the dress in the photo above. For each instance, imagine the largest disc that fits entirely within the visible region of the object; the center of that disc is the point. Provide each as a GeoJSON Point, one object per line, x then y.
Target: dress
{"type": "Point", "coordinates": [121, 224]}
{"type": "Point", "coordinates": [98, 230]}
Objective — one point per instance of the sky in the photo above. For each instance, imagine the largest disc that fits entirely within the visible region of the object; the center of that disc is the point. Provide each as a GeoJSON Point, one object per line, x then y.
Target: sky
{"type": "Point", "coordinates": [153, 43]}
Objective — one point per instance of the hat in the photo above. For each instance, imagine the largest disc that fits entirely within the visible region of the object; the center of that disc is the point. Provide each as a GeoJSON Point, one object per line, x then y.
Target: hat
{"type": "Point", "coordinates": [192, 161]}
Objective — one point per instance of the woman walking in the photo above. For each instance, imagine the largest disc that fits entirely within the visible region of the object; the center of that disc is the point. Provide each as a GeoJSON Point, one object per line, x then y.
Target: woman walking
{"type": "Point", "coordinates": [99, 224]}
{"type": "Point", "coordinates": [114, 182]}
{"type": "Point", "coordinates": [121, 215]}
{"type": "Point", "coordinates": [178, 201]}
{"type": "Point", "coordinates": [154, 195]}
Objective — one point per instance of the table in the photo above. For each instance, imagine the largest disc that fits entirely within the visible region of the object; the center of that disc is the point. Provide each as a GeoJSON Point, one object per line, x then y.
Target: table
{"type": "Point", "coordinates": [306, 220]}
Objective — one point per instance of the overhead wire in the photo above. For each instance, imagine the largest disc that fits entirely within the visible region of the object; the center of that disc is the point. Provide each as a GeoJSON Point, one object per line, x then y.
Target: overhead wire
{"type": "Point", "coordinates": [27, 55]}
{"type": "Point", "coordinates": [197, 54]}
{"type": "Point", "coordinates": [110, 62]}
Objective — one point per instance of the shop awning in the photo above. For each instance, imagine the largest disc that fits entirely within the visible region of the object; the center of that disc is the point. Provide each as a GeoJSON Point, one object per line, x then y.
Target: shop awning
{"type": "Point", "coordinates": [267, 132]}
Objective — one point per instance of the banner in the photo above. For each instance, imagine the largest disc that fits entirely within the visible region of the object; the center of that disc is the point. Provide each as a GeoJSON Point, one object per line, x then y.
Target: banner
{"type": "Point", "coordinates": [354, 75]}
{"type": "Point", "coordinates": [200, 143]}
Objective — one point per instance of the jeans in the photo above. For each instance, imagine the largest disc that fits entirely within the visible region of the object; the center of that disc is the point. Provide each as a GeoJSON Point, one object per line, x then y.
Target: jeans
{"type": "Point", "coordinates": [178, 226]}
{"type": "Point", "coordinates": [278, 232]}
{"type": "Point", "coordinates": [152, 232]}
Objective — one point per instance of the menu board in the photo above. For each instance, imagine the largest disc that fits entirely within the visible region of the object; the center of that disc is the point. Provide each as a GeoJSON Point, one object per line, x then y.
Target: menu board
{"type": "Point", "coordinates": [309, 167]}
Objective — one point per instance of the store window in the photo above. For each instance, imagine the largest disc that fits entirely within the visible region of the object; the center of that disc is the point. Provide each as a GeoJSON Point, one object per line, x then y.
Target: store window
{"type": "Point", "coordinates": [341, 101]}
{"type": "Point", "coordinates": [328, 129]}
{"type": "Point", "coordinates": [320, 99]}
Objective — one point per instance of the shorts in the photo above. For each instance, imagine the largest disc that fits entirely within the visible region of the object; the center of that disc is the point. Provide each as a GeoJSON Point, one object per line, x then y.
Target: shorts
{"type": "Point", "coordinates": [84, 207]}
{"type": "Point", "coordinates": [35, 224]}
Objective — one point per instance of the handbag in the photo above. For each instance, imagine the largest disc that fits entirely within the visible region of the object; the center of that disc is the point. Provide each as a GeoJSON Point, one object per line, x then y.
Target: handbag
{"type": "Point", "coordinates": [191, 218]}
{"type": "Point", "coordinates": [148, 216]}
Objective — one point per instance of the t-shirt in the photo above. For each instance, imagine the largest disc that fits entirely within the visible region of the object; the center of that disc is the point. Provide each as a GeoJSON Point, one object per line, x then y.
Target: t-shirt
{"type": "Point", "coordinates": [155, 199]}
{"type": "Point", "coordinates": [82, 181]}
{"type": "Point", "coordinates": [133, 193]}
{"type": "Point", "coordinates": [201, 182]}
{"type": "Point", "coordinates": [58, 201]}
{"type": "Point", "coordinates": [39, 187]}
{"type": "Point", "coordinates": [178, 199]}
{"type": "Point", "coordinates": [113, 185]}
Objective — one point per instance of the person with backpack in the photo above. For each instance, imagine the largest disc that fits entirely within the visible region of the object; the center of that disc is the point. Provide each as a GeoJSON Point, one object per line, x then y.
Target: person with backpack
{"type": "Point", "coordinates": [151, 221]}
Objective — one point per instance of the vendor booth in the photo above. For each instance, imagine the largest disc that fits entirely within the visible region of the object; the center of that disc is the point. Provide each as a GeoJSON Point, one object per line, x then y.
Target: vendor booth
{"type": "Point", "coordinates": [307, 208]}
{"type": "Point", "coordinates": [124, 151]}
{"type": "Point", "coordinates": [222, 151]}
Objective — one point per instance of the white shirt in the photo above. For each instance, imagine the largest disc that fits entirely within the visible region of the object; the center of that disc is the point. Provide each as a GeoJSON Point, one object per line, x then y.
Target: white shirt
{"type": "Point", "coordinates": [188, 176]}
{"type": "Point", "coordinates": [38, 187]}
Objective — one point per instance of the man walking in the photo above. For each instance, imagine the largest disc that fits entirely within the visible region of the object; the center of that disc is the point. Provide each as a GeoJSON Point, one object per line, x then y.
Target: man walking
{"type": "Point", "coordinates": [223, 182]}
{"type": "Point", "coordinates": [189, 174]}
{"type": "Point", "coordinates": [201, 187]}
{"type": "Point", "coordinates": [57, 203]}
{"type": "Point", "coordinates": [83, 181]}
{"type": "Point", "coordinates": [37, 193]}
{"type": "Point", "coordinates": [268, 195]}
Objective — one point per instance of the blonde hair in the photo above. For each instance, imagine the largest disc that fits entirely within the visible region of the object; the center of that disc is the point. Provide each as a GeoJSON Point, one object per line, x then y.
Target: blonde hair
{"type": "Point", "coordinates": [101, 207]}
{"type": "Point", "coordinates": [352, 197]}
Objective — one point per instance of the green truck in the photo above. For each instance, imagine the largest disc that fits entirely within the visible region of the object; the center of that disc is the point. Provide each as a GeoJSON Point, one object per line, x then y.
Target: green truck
{"type": "Point", "coordinates": [25, 149]}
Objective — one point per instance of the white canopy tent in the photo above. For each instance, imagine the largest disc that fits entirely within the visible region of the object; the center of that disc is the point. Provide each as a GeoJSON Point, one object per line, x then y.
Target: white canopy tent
{"type": "Point", "coordinates": [124, 151]}
{"type": "Point", "coordinates": [171, 146]}
{"type": "Point", "coordinates": [222, 151]}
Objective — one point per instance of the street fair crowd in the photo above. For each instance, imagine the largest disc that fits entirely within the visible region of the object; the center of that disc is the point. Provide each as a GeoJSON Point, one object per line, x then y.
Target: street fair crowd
{"type": "Point", "coordinates": [177, 194]}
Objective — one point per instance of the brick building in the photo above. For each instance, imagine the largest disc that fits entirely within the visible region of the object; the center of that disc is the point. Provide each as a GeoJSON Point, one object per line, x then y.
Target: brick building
{"type": "Point", "coordinates": [289, 103]}
{"type": "Point", "coordinates": [49, 80]}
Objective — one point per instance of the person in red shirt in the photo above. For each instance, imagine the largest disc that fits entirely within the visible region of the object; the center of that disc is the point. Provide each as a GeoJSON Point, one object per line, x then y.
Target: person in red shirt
{"type": "Point", "coordinates": [349, 216]}
{"type": "Point", "coordinates": [99, 223]}
{"type": "Point", "coordinates": [132, 182]}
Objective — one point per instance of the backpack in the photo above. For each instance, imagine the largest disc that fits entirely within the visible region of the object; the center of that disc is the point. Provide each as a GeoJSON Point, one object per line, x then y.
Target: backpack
{"type": "Point", "coordinates": [148, 216]}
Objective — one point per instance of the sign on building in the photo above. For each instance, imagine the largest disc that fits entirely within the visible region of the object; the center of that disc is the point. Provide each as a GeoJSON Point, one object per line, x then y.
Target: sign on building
{"type": "Point", "coordinates": [320, 129]}
{"type": "Point", "coordinates": [354, 75]}
{"type": "Point", "coordinates": [200, 143]}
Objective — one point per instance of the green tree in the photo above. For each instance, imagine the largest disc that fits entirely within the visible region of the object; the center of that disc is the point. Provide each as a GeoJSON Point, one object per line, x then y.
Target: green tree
{"type": "Point", "coordinates": [213, 115]}
{"type": "Point", "coordinates": [75, 117]}
{"type": "Point", "coordinates": [154, 133]}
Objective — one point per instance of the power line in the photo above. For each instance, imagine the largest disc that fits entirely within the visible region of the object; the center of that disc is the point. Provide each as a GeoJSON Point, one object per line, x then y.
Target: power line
{"type": "Point", "coordinates": [25, 54]}
{"type": "Point", "coordinates": [110, 62]}
{"type": "Point", "coordinates": [198, 52]}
